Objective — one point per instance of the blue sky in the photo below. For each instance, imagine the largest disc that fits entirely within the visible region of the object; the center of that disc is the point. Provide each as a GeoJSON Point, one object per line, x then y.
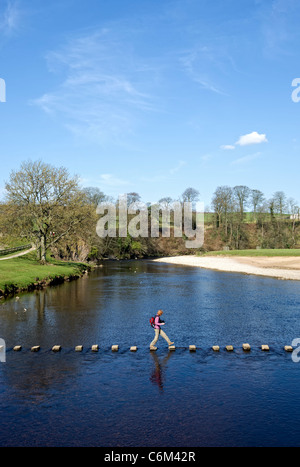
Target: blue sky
{"type": "Point", "coordinates": [153, 96]}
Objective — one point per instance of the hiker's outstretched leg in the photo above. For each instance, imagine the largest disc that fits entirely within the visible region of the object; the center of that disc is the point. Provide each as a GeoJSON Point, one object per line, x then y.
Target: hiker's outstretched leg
{"type": "Point", "coordinates": [164, 335]}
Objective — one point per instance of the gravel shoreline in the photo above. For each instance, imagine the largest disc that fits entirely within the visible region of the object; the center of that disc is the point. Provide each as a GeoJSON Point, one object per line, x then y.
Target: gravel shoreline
{"type": "Point", "coordinates": [287, 268]}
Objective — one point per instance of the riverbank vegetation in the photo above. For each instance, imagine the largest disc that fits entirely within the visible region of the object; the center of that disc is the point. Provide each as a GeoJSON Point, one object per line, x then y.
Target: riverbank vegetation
{"type": "Point", "coordinates": [48, 208]}
{"type": "Point", "coordinates": [27, 273]}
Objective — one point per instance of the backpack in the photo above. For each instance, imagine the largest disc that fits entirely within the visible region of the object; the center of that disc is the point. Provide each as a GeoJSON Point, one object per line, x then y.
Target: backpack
{"type": "Point", "coordinates": [152, 321]}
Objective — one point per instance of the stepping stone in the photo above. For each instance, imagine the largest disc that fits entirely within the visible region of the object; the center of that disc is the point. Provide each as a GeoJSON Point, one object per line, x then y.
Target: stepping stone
{"type": "Point", "coordinates": [288, 348]}
{"type": "Point", "coordinates": [95, 348]}
{"type": "Point", "coordinates": [133, 348]}
{"type": "Point", "coordinates": [35, 348]}
{"type": "Point", "coordinates": [192, 348]}
{"type": "Point", "coordinates": [115, 348]}
{"type": "Point", "coordinates": [229, 348]}
{"type": "Point", "coordinates": [215, 348]}
{"type": "Point", "coordinates": [265, 347]}
{"type": "Point", "coordinates": [78, 348]}
{"type": "Point", "coordinates": [56, 348]}
{"type": "Point", "coordinates": [17, 348]}
{"type": "Point", "coordinates": [246, 347]}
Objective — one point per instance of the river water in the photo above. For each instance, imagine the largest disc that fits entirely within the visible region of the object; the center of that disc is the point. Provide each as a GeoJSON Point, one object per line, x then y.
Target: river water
{"type": "Point", "coordinates": [158, 399]}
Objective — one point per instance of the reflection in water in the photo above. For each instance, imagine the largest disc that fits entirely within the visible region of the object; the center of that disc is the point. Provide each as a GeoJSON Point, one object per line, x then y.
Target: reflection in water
{"type": "Point", "coordinates": [113, 305]}
{"type": "Point", "coordinates": [158, 373]}
{"type": "Point", "coordinates": [40, 302]}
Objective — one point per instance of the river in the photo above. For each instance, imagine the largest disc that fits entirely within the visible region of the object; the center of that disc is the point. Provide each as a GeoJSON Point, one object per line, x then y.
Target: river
{"type": "Point", "coordinates": [163, 398]}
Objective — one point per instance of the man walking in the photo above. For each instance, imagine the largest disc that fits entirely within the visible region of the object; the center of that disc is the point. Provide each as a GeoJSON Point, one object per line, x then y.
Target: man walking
{"type": "Point", "coordinates": [158, 331]}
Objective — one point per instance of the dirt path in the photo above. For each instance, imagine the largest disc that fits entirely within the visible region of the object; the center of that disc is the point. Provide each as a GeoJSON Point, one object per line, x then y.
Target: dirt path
{"type": "Point", "coordinates": [18, 254]}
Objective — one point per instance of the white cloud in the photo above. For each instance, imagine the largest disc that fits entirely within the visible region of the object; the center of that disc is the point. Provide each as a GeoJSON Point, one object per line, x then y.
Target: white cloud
{"type": "Point", "coordinates": [111, 180]}
{"type": "Point", "coordinates": [227, 146]}
{"type": "Point", "coordinates": [279, 30]}
{"type": "Point", "coordinates": [104, 87]}
{"type": "Point", "coordinates": [246, 140]}
{"type": "Point", "coordinates": [165, 175]}
{"type": "Point", "coordinates": [206, 157]}
{"type": "Point", "coordinates": [197, 61]}
{"type": "Point", "coordinates": [245, 159]}
{"type": "Point", "coordinates": [180, 164]}
{"type": "Point", "coordinates": [252, 138]}
{"type": "Point", "coordinates": [9, 18]}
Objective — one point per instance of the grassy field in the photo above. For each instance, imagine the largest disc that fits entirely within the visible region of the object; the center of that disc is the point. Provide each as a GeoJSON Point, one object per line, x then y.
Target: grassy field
{"type": "Point", "coordinates": [22, 272]}
{"type": "Point", "coordinates": [261, 252]}
{"type": "Point", "coordinates": [249, 218]}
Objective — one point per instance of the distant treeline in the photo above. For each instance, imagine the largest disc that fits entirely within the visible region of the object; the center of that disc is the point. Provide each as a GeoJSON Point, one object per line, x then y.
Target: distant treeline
{"type": "Point", "coordinates": [44, 205]}
{"type": "Point", "coordinates": [275, 220]}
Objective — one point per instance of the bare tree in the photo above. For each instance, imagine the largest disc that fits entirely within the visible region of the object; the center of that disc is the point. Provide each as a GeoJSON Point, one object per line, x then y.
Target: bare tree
{"type": "Point", "coordinates": [217, 206]}
{"type": "Point", "coordinates": [222, 203]}
{"type": "Point", "coordinates": [94, 195]}
{"type": "Point", "coordinates": [294, 211]}
{"type": "Point", "coordinates": [280, 202]}
{"type": "Point", "coordinates": [257, 198]}
{"type": "Point", "coordinates": [190, 195]}
{"type": "Point", "coordinates": [242, 193]}
{"type": "Point", "coordinates": [165, 202]}
{"type": "Point", "coordinates": [132, 198]}
{"type": "Point", "coordinates": [47, 203]}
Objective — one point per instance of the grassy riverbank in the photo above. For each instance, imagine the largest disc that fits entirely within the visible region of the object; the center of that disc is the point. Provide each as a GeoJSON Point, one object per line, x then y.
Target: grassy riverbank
{"type": "Point", "coordinates": [261, 252]}
{"type": "Point", "coordinates": [26, 273]}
